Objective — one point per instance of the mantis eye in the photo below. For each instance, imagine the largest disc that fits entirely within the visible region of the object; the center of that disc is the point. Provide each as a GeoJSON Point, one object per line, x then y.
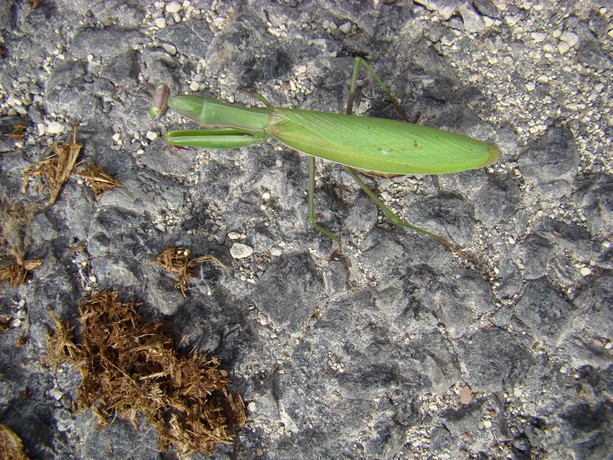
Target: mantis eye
{"type": "Point", "coordinates": [160, 101]}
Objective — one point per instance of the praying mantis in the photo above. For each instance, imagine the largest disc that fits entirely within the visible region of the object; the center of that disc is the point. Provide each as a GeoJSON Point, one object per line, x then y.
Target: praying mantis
{"type": "Point", "coordinates": [372, 145]}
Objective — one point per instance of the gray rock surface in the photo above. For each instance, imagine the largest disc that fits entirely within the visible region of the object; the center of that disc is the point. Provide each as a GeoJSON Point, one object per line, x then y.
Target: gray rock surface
{"type": "Point", "coordinates": [394, 349]}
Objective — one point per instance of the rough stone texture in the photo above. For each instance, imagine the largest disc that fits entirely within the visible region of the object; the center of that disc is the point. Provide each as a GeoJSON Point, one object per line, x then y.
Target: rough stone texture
{"type": "Point", "coordinates": [363, 355]}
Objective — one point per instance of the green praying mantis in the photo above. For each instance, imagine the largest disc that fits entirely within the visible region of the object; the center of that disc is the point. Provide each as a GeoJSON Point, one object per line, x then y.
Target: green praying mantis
{"type": "Point", "coordinates": [371, 145]}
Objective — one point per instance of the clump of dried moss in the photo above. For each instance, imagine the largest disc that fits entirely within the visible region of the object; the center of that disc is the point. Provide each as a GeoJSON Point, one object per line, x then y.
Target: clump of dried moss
{"type": "Point", "coordinates": [18, 273]}
{"type": "Point", "coordinates": [130, 368]}
{"type": "Point", "coordinates": [11, 446]}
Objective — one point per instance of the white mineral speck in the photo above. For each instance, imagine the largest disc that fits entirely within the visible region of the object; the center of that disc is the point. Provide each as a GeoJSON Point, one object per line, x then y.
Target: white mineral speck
{"type": "Point", "coordinates": [570, 38]}
{"type": "Point", "coordinates": [240, 251]}
{"type": "Point", "coordinates": [55, 127]}
{"type": "Point", "coordinates": [345, 27]}
{"type": "Point", "coordinates": [563, 47]}
{"type": "Point", "coordinates": [234, 236]}
{"type": "Point", "coordinates": [170, 49]}
{"type": "Point", "coordinates": [173, 7]}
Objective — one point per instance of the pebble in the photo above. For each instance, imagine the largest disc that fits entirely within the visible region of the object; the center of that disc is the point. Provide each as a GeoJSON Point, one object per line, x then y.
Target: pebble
{"type": "Point", "coordinates": [173, 7]}
{"type": "Point", "coordinates": [570, 38]}
{"type": "Point", "coordinates": [548, 48]}
{"type": "Point", "coordinates": [170, 49]}
{"type": "Point", "coordinates": [240, 251]}
{"type": "Point", "coordinates": [472, 21]}
{"type": "Point", "coordinates": [345, 27]}
{"type": "Point", "coordinates": [234, 236]}
{"type": "Point", "coordinates": [55, 127]}
{"type": "Point", "coordinates": [56, 394]}
{"type": "Point", "coordinates": [563, 47]}
{"type": "Point", "coordinates": [466, 395]}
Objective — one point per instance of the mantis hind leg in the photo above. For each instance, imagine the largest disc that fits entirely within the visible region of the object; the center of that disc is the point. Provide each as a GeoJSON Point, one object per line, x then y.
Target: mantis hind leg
{"type": "Point", "coordinates": [398, 221]}
{"type": "Point", "coordinates": [358, 63]}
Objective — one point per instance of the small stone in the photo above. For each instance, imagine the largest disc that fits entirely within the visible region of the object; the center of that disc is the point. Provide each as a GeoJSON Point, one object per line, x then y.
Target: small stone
{"type": "Point", "coordinates": [234, 236]}
{"type": "Point", "coordinates": [160, 23]}
{"type": "Point", "coordinates": [170, 49]}
{"type": "Point", "coordinates": [471, 19]}
{"type": "Point", "coordinates": [173, 7]}
{"type": "Point", "coordinates": [318, 42]}
{"type": "Point", "coordinates": [55, 128]}
{"type": "Point", "coordinates": [466, 395]}
{"type": "Point", "coordinates": [570, 38]}
{"type": "Point", "coordinates": [151, 135]}
{"type": "Point", "coordinates": [345, 27]}
{"type": "Point", "coordinates": [240, 251]}
{"type": "Point", "coordinates": [563, 47]}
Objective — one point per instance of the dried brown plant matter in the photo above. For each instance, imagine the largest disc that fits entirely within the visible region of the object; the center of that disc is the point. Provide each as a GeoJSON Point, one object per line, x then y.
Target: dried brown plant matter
{"type": "Point", "coordinates": [15, 221]}
{"type": "Point", "coordinates": [11, 446]}
{"type": "Point", "coordinates": [130, 368]}
{"type": "Point", "coordinates": [98, 179]}
{"type": "Point", "coordinates": [57, 168]}
{"type": "Point", "coordinates": [178, 261]}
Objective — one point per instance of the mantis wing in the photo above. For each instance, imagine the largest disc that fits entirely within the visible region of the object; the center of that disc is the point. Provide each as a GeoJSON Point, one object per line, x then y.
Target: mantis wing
{"type": "Point", "coordinates": [379, 145]}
